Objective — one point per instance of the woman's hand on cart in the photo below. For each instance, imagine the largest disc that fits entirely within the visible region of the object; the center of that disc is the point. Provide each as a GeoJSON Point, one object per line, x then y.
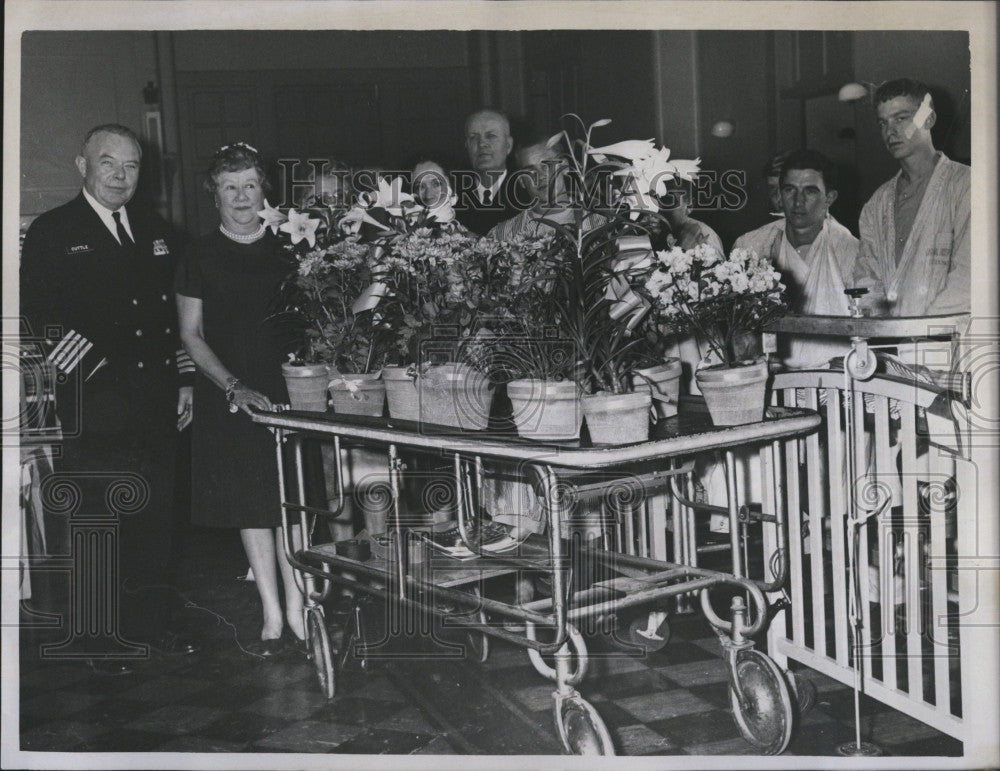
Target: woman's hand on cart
{"type": "Point", "coordinates": [243, 398]}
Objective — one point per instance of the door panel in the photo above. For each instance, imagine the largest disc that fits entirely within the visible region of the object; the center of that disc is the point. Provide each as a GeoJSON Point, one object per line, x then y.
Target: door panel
{"type": "Point", "coordinates": [211, 116]}
{"type": "Point", "coordinates": [338, 121]}
{"type": "Point", "coordinates": [372, 117]}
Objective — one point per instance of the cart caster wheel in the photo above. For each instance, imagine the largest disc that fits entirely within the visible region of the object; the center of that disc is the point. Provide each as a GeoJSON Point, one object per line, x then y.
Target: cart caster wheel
{"type": "Point", "coordinates": [478, 646]}
{"type": "Point", "coordinates": [803, 691]}
{"type": "Point", "coordinates": [322, 655]}
{"type": "Point", "coordinates": [478, 643]}
{"type": "Point", "coordinates": [580, 727]}
{"type": "Point", "coordinates": [765, 716]}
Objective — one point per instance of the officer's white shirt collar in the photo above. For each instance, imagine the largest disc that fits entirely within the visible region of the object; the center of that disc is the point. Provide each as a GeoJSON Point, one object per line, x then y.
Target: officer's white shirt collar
{"type": "Point", "coordinates": [481, 188]}
{"type": "Point", "coordinates": [105, 214]}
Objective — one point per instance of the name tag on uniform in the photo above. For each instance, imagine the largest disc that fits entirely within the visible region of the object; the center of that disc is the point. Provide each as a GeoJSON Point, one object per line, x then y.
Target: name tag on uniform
{"type": "Point", "coordinates": [78, 249]}
{"type": "Point", "coordinates": [160, 248]}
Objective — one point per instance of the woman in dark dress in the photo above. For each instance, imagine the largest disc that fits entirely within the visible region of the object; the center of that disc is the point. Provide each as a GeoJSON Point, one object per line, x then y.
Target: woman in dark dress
{"type": "Point", "coordinates": [226, 289]}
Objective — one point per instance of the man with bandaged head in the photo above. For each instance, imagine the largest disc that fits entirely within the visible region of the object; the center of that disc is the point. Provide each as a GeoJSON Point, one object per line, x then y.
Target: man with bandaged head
{"type": "Point", "coordinates": [915, 249]}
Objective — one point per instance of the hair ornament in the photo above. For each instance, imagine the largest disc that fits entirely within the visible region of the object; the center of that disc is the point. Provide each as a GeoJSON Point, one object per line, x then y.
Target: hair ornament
{"type": "Point", "coordinates": [240, 145]}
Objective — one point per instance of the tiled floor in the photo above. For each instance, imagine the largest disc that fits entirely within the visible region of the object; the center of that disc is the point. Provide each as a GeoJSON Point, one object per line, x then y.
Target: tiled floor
{"type": "Point", "coordinates": [674, 701]}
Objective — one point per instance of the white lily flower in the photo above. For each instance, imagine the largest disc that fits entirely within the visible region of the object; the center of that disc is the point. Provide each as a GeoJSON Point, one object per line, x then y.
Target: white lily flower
{"type": "Point", "coordinates": [352, 220]}
{"type": "Point", "coordinates": [300, 225]}
{"type": "Point", "coordinates": [444, 212]}
{"type": "Point", "coordinates": [636, 196]}
{"type": "Point", "coordinates": [272, 217]}
{"type": "Point", "coordinates": [653, 171]}
{"type": "Point", "coordinates": [392, 198]}
{"type": "Point", "coordinates": [630, 149]}
{"type": "Point", "coordinates": [688, 169]}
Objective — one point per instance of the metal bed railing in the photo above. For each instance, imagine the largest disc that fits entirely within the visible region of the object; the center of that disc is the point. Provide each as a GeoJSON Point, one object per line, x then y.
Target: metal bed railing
{"type": "Point", "coordinates": [884, 514]}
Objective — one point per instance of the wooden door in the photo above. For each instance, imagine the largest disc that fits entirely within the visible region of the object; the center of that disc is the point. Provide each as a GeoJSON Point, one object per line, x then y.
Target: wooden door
{"type": "Point", "coordinates": [382, 118]}
{"type": "Point", "coordinates": [212, 114]}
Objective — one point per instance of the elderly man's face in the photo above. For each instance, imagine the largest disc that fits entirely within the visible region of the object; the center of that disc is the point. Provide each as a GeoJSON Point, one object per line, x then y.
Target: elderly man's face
{"type": "Point", "coordinates": [110, 169]}
{"type": "Point", "coordinates": [805, 199]}
{"type": "Point", "coordinates": [546, 176]}
{"type": "Point", "coordinates": [488, 142]}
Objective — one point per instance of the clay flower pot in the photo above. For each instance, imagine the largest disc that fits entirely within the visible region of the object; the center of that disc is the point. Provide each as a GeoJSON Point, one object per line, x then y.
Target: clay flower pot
{"type": "Point", "coordinates": [734, 395]}
{"type": "Point", "coordinates": [664, 384]}
{"type": "Point", "coordinates": [454, 395]}
{"type": "Point", "coordinates": [307, 386]}
{"type": "Point", "coordinates": [617, 418]}
{"type": "Point", "coordinates": [546, 409]}
{"type": "Point", "coordinates": [355, 394]}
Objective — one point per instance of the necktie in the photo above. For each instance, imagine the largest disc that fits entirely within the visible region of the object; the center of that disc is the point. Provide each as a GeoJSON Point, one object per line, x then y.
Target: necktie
{"type": "Point", "coordinates": [487, 197]}
{"type": "Point", "coordinates": [123, 236]}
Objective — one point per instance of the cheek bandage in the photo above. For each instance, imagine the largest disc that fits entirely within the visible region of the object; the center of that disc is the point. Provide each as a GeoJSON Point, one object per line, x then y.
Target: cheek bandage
{"type": "Point", "coordinates": [920, 116]}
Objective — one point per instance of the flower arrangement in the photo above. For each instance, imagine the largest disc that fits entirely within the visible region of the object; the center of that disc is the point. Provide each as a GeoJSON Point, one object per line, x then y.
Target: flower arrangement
{"type": "Point", "coordinates": [526, 340]}
{"type": "Point", "coordinates": [330, 270]}
{"type": "Point", "coordinates": [719, 298]}
{"type": "Point", "coordinates": [432, 281]}
{"type": "Point", "coordinates": [586, 280]}
{"type": "Point", "coordinates": [375, 280]}
{"type": "Point", "coordinates": [430, 290]}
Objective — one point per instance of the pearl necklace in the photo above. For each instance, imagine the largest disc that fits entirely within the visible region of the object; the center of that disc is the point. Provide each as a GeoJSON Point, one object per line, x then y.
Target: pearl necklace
{"type": "Point", "coordinates": [241, 238]}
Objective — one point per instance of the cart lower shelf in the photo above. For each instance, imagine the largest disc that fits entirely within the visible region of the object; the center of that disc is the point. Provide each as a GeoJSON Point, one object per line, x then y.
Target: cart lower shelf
{"type": "Point", "coordinates": [441, 570]}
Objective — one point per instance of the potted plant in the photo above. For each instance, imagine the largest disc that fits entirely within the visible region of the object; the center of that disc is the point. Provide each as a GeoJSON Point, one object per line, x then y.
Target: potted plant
{"type": "Point", "coordinates": [430, 285]}
{"type": "Point", "coordinates": [331, 269]}
{"type": "Point", "coordinates": [528, 352]}
{"type": "Point", "coordinates": [722, 300]}
{"type": "Point", "coordinates": [651, 368]}
{"type": "Point", "coordinates": [595, 267]}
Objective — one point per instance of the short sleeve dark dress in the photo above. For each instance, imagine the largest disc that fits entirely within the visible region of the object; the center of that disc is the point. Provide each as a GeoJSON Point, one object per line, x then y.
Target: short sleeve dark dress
{"type": "Point", "coordinates": [233, 466]}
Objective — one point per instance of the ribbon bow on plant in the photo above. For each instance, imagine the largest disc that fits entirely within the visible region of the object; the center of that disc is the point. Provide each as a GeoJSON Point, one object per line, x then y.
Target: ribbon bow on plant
{"type": "Point", "coordinates": [634, 262]}
{"type": "Point", "coordinates": [375, 291]}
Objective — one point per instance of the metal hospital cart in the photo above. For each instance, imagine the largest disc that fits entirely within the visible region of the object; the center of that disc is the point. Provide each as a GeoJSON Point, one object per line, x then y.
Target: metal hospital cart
{"type": "Point", "coordinates": [549, 626]}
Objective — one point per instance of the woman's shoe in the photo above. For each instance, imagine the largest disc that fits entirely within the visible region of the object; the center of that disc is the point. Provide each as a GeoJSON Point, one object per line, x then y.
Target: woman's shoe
{"type": "Point", "coordinates": [300, 646]}
{"type": "Point", "coordinates": [267, 648]}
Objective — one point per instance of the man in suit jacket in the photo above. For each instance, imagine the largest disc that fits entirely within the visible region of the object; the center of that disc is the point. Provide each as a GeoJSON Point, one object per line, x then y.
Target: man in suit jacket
{"type": "Point", "coordinates": [96, 287]}
{"type": "Point", "coordinates": [486, 197]}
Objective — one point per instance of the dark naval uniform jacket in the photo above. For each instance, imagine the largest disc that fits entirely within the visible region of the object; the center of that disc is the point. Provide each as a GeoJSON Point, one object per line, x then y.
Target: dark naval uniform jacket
{"type": "Point", "coordinates": [104, 316]}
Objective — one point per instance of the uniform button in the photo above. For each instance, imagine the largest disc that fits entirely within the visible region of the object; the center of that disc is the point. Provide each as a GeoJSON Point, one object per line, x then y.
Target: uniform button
{"type": "Point", "coordinates": [138, 333]}
{"type": "Point", "coordinates": [140, 365]}
{"type": "Point", "coordinates": [134, 301]}
{"type": "Point", "coordinates": [164, 298]}
{"type": "Point", "coordinates": [167, 330]}
{"type": "Point", "coordinates": [166, 362]}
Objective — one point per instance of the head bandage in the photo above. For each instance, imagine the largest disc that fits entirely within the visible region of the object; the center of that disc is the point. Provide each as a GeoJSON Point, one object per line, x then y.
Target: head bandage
{"type": "Point", "coordinates": [920, 116]}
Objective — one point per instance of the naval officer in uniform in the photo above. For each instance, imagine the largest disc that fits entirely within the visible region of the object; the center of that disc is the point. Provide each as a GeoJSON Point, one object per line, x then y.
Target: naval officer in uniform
{"type": "Point", "coordinates": [96, 285]}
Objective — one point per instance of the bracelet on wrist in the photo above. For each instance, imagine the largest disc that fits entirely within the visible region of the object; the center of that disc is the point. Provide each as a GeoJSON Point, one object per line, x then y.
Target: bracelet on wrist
{"type": "Point", "coordinates": [231, 385]}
